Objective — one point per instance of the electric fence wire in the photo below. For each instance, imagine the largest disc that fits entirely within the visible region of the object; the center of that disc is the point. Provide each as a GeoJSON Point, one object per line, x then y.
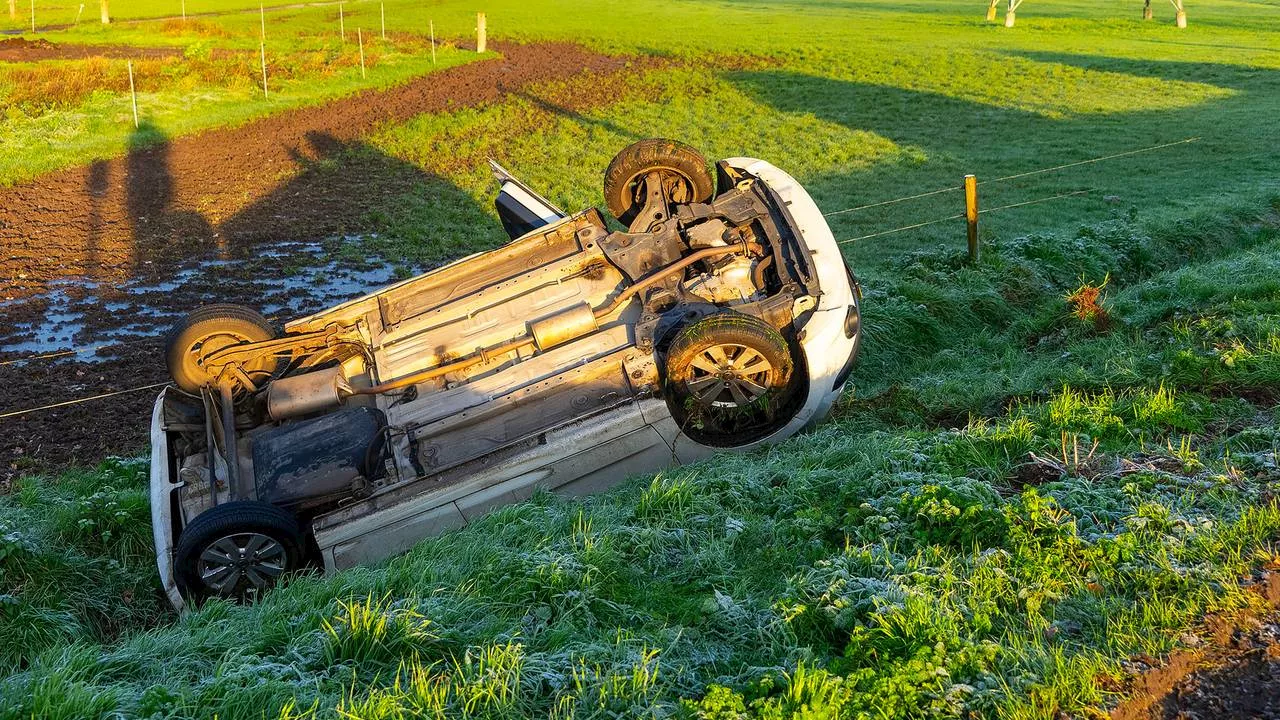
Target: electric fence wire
{"type": "Point", "coordinates": [1015, 176]}
{"type": "Point", "coordinates": [77, 401]}
{"type": "Point", "coordinates": [961, 215]}
{"type": "Point", "coordinates": [915, 226]}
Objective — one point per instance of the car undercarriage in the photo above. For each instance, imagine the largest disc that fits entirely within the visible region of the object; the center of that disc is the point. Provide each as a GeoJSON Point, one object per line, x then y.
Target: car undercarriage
{"type": "Point", "coordinates": [720, 316]}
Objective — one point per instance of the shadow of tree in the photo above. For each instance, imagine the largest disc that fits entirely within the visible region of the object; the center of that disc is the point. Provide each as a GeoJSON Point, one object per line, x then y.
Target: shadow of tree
{"type": "Point", "coordinates": [1238, 76]}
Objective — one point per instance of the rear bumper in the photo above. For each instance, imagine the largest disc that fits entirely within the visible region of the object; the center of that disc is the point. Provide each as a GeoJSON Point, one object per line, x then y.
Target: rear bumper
{"type": "Point", "coordinates": [162, 488]}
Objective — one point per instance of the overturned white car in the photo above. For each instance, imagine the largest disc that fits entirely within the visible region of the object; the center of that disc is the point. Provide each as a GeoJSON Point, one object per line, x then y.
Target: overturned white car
{"type": "Point", "coordinates": [567, 359]}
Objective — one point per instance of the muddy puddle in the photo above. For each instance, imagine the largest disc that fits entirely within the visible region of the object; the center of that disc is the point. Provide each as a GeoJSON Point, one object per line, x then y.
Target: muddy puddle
{"type": "Point", "coordinates": [83, 320]}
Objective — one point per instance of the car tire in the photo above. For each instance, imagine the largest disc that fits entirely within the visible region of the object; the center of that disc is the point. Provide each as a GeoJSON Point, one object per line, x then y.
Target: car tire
{"type": "Point", "coordinates": [683, 169]}
{"type": "Point", "coordinates": [730, 379]}
{"type": "Point", "coordinates": [222, 325]}
{"type": "Point", "coordinates": [254, 543]}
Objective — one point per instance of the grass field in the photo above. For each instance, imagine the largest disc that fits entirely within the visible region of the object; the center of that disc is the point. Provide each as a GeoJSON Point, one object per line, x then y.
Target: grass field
{"type": "Point", "coordinates": [1020, 491]}
{"type": "Point", "coordinates": [880, 566]}
{"type": "Point", "coordinates": [868, 102]}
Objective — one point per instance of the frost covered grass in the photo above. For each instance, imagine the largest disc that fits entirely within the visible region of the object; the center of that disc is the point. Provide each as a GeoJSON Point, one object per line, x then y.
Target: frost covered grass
{"type": "Point", "coordinates": [76, 560]}
{"type": "Point", "coordinates": [1010, 503]}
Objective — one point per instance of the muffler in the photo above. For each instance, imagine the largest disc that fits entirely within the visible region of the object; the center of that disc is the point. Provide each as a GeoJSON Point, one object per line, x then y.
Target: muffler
{"type": "Point", "coordinates": [568, 324]}
{"type": "Point", "coordinates": [307, 394]}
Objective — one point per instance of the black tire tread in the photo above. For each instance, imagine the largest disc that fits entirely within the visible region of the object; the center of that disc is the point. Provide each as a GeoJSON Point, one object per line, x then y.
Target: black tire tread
{"type": "Point", "coordinates": [645, 155]}
{"type": "Point", "coordinates": [730, 327]}
{"type": "Point", "coordinates": [230, 518]}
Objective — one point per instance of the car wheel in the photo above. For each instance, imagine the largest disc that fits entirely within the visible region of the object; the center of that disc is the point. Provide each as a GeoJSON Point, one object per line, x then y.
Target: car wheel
{"type": "Point", "coordinates": [683, 170]}
{"type": "Point", "coordinates": [211, 328]}
{"type": "Point", "coordinates": [237, 550]}
{"type": "Point", "coordinates": [730, 379]}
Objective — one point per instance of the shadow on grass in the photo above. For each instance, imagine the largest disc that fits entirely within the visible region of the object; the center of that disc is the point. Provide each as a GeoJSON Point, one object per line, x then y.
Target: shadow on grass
{"type": "Point", "coordinates": [334, 188]}
{"type": "Point", "coordinates": [1239, 77]}
{"type": "Point", "coordinates": [1235, 156]}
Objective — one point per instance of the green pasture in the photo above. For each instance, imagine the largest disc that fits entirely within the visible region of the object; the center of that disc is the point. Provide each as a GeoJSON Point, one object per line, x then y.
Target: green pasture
{"type": "Point", "coordinates": [1008, 502]}
{"type": "Point", "coordinates": [864, 102]}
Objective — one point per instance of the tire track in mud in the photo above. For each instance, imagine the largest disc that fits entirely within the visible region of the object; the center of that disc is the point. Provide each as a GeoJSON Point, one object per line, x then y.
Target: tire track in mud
{"type": "Point", "coordinates": [92, 231]}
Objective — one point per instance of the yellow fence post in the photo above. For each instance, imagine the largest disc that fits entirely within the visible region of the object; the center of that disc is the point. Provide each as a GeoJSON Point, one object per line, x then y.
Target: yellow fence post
{"type": "Point", "coordinates": [971, 214]}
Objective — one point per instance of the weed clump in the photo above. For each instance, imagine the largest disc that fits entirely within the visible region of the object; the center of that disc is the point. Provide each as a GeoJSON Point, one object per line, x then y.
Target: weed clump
{"type": "Point", "coordinates": [375, 631]}
{"type": "Point", "coordinates": [1086, 305]}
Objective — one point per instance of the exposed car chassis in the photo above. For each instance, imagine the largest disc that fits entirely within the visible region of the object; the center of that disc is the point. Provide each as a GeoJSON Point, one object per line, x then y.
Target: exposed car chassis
{"type": "Point", "coordinates": [568, 359]}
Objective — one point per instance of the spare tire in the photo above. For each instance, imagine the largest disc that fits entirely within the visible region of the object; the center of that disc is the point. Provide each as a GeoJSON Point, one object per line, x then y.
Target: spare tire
{"type": "Point", "coordinates": [214, 327]}
{"type": "Point", "coordinates": [683, 170]}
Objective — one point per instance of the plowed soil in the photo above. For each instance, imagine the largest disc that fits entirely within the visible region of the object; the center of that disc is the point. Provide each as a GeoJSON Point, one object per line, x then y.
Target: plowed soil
{"type": "Point", "coordinates": [107, 220]}
{"type": "Point", "coordinates": [24, 50]}
{"type": "Point", "coordinates": [297, 176]}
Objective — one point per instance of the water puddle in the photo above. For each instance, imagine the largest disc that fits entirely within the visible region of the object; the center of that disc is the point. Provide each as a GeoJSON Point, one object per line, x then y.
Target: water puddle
{"type": "Point", "coordinates": [282, 281]}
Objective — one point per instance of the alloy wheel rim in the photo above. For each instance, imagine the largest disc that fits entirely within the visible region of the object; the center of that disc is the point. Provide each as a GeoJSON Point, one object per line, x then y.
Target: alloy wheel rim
{"type": "Point", "coordinates": [729, 376]}
{"type": "Point", "coordinates": [252, 560]}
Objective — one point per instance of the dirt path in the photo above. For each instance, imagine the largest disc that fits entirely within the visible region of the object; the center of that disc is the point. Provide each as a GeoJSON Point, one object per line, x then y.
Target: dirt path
{"type": "Point", "coordinates": [115, 250]}
{"type": "Point", "coordinates": [24, 50]}
{"type": "Point", "coordinates": [1232, 672]}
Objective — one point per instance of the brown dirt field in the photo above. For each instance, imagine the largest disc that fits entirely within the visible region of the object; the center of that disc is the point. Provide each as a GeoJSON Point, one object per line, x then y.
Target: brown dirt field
{"type": "Point", "coordinates": [1234, 674]}
{"type": "Point", "coordinates": [24, 50]}
{"type": "Point", "coordinates": [109, 219]}
{"type": "Point", "coordinates": [96, 232]}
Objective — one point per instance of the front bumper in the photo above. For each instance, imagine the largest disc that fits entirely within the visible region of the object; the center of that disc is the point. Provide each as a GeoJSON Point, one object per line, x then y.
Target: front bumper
{"type": "Point", "coordinates": [829, 340]}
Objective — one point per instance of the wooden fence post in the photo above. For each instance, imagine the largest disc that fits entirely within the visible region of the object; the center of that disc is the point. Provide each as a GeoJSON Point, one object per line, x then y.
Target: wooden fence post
{"type": "Point", "coordinates": [480, 32]}
{"type": "Point", "coordinates": [433, 42]}
{"type": "Point", "coordinates": [105, 12]}
{"type": "Point", "coordinates": [360, 40]}
{"type": "Point", "coordinates": [971, 214]}
{"type": "Point", "coordinates": [13, 9]}
{"type": "Point", "coordinates": [1010, 15]}
{"type": "Point", "coordinates": [33, 16]}
{"type": "Point", "coordinates": [262, 46]}
{"type": "Point", "coordinates": [382, 10]}
{"type": "Point", "coordinates": [342, 24]}
{"type": "Point", "coordinates": [1181, 18]}
{"type": "Point", "coordinates": [133, 94]}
